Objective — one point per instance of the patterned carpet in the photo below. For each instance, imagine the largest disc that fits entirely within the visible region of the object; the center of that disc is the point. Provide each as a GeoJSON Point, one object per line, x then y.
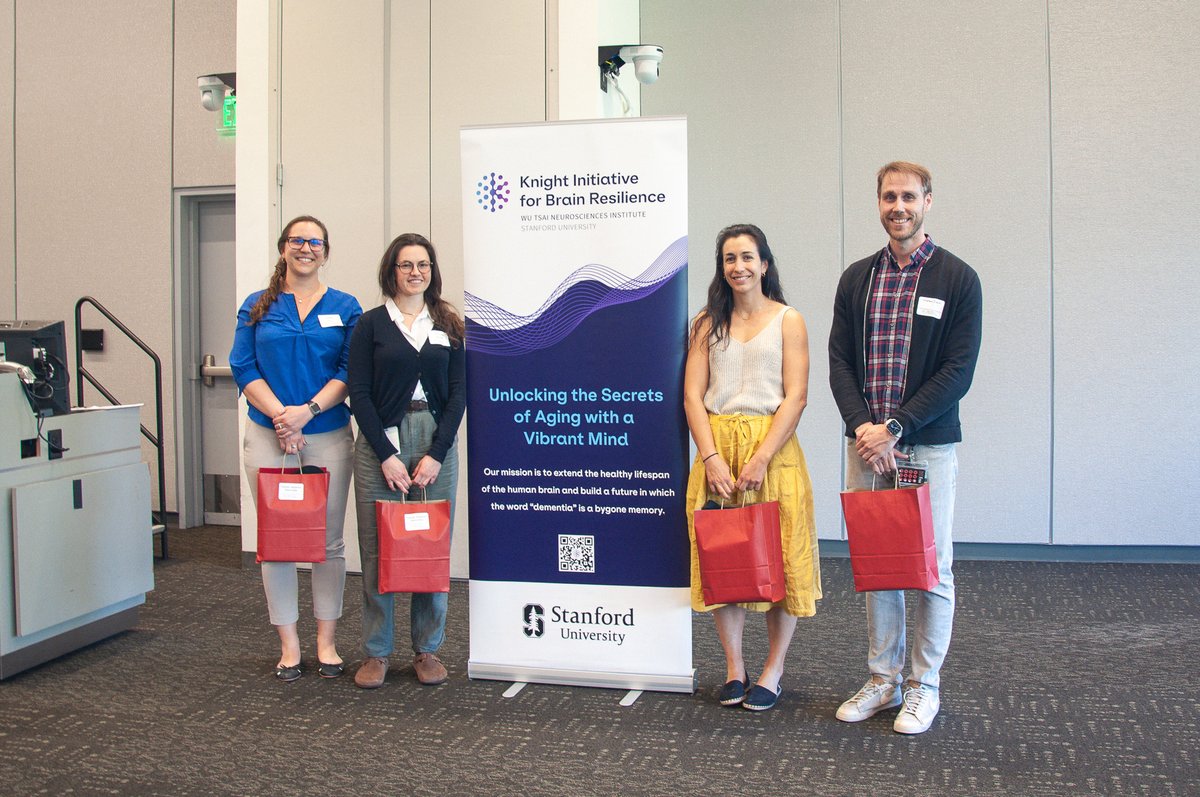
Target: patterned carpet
{"type": "Point", "coordinates": [1063, 679]}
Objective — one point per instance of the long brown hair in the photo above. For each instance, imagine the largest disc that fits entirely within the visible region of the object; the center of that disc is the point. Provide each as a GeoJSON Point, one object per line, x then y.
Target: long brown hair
{"type": "Point", "coordinates": [719, 309]}
{"type": "Point", "coordinates": [279, 275]}
{"type": "Point", "coordinates": [444, 316]}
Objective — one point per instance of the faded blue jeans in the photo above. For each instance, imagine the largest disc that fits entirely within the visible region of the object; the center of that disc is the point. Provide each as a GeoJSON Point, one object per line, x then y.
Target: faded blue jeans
{"type": "Point", "coordinates": [427, 611]}
{"type": "Point", "coordinates": [934, 613]}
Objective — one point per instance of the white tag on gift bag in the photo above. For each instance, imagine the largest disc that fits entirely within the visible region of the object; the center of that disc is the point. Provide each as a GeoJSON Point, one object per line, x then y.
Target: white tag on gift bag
{"type": "Point", "coordinates": [291, 491]}
{"type": "Point", "coordinates": [417, 521]}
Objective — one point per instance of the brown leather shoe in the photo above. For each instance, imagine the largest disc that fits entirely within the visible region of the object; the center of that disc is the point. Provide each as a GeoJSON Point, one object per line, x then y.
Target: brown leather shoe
{"type": "Point", "coordinates": [371, 672]}
{"type": "Point", "coordinates": [430, 670]}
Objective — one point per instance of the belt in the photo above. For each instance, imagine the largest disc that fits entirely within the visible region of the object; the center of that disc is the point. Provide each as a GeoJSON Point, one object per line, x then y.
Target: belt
{"type": "Point", "coordinates": [418, 406]}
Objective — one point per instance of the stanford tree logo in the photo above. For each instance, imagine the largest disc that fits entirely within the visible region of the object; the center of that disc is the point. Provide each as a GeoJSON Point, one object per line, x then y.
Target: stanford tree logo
{"type": "Point", "coordinates": [535, 620]}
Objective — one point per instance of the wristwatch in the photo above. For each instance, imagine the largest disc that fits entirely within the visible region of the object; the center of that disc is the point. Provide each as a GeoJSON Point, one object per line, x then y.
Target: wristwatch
{"type": "Point", "coordinates": [314, 408]}
{"type": "Point", "coordinates": [895, 429]}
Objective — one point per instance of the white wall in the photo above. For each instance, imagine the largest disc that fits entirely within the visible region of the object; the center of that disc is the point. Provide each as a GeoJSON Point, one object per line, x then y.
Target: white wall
{"type": "Point", "coordinates": [1125, 113]}
{"type": "Point", "coordinates": [368, 136]}
{"type": "Point", "coordinates": [1061, 137]}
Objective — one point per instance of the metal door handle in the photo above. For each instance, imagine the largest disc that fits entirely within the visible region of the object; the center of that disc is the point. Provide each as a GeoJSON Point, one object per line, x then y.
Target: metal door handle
{"type": "Point", "coordinates": [209, 370]}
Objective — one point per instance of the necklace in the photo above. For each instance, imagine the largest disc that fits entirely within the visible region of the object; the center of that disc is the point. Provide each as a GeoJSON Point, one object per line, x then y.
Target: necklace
{"type": "Point", "coordinates": [302, 299]}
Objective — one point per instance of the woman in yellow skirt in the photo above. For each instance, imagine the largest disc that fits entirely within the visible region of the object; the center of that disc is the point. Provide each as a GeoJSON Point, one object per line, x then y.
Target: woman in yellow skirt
{"type": "Point", "coordinates": [745, 387]}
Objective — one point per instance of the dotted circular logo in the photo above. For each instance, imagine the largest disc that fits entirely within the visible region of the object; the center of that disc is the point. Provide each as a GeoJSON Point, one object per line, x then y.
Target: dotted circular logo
{"type": "Point", "coordinates": [491, 192]}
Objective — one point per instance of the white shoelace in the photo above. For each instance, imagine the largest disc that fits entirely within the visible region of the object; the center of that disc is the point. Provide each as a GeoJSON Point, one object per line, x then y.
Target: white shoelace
{"type": "Point", "coordinates": [912, 700]}
{"type": "Point", "coordinates": [869, 691]}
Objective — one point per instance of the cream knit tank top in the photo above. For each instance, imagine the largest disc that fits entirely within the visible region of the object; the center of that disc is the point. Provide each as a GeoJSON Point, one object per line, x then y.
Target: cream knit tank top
{"type": "Point", "coordinates": [747, 378]}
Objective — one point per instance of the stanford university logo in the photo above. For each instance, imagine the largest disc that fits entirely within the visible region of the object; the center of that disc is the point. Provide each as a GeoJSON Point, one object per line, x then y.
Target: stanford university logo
{"type": "Point", "coordinates": [535, 620]}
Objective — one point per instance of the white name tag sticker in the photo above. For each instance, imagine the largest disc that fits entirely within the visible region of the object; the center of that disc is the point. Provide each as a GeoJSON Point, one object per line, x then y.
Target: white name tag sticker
{"type": "Point", "coordinates": [291, 491]}
{"type": "Point", "coordinates": [417, 521]}
{"type": "Point", "coordinates": [439, 338]}
{"type": "Point", "coordinates": [330, 319]}
{"type": "Point", "coordinates": [927, 305]}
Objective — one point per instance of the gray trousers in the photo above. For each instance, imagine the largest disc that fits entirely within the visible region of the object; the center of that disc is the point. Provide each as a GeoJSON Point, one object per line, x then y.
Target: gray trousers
{"type": "Point", "coordinates": [333, 451]}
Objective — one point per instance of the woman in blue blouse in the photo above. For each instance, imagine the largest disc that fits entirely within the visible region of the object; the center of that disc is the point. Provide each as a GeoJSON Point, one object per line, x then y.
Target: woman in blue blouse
{"type": "Point", "coordinates": [408, 391]}
{"type": "Point", "coordinates": [289, 358]}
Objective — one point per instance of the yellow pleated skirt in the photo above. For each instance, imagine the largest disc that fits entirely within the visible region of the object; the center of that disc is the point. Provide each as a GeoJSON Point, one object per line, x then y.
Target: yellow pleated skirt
{"type": "Point", "coordinates": [737, 437]}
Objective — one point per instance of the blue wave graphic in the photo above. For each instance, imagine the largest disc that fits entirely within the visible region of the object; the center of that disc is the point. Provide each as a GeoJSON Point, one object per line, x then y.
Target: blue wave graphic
{"type": "Point", "coordinates": [494, 330]}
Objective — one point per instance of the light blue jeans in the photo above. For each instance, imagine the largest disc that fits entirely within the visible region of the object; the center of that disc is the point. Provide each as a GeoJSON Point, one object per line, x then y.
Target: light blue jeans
{"type": "Point", "coordinates": [427, 611]}
{"type": "Point", "coordinates": [934, 611]}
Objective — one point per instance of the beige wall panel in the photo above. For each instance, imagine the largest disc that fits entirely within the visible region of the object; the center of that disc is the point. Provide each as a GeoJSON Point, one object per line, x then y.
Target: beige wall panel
{"type": "Point", "coordinates": [762, 109]}
{"type": "Point", "coordinates": [8, 252]}
{"type": "Point", "coordinates": [205, 43]}
{"type": "Point", "coordinates": [408, 103]}
{"type": "Point", "coordinates": [93, 176]}
{"type": "Point", "coordinates": [487, 66]}
{"type": "Point", "coordinates": [1126, 110]}
{"type": "Point", "coordinates": [333, 133]}
{"type": "Point", "coordinates": [962, 88]}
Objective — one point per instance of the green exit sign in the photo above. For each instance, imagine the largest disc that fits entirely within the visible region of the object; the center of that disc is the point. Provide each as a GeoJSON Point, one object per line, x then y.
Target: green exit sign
{"type": "Point", "coordinates": [229, 116]}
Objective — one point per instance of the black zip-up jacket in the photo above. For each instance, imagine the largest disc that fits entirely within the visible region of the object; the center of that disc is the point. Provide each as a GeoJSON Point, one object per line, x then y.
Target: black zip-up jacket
{"type": "Point", "coordinates": [941, 358]}
{"type": "Point", "coordinates": [383, 373]}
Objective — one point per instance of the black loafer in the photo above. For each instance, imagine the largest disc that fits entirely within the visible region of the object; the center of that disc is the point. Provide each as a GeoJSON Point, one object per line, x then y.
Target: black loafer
{"type": "Point", "coordinates": [289, 674]}
{"type": "Point", "coordinates": [762, 698]}
{"type": "Point", "coordinates": [330, 670]}
{"type": "Point", "coordinates": [733, 693]}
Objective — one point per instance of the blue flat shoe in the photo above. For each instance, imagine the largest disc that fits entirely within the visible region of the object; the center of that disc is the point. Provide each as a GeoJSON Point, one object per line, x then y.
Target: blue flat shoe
{"type": "Point", "coordinates": [733, 693]}
{"type": "Point", "coordinates": [762, 698]}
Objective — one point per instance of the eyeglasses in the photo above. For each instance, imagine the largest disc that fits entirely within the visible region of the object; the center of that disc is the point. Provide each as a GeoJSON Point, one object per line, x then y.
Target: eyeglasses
{"type": "Point", "coordinates": [408, 267]}
{"type": "Point", "coordinates": [316, 244]}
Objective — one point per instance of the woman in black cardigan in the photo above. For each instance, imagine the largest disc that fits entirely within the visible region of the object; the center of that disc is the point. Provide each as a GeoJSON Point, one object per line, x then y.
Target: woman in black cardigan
{"type": "Point", "coordinates": [407, 392]}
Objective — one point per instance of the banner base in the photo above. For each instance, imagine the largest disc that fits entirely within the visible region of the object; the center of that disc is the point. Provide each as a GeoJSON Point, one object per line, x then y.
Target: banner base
{"type": "Point", "coordinates": [651, 682]}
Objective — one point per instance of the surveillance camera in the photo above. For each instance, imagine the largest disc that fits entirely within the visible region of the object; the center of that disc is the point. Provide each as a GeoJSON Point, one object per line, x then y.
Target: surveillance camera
{"type": "Point", "coordinates": [645, 59]}
{"type": "Point", "coordinates": [213, 89]}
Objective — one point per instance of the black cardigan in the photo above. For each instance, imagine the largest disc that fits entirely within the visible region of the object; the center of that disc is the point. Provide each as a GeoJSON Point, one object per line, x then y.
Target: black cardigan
{"type": "Point", "coordinates": [941, 358]}
{"type": "Point", "coordinates": [383, 373]}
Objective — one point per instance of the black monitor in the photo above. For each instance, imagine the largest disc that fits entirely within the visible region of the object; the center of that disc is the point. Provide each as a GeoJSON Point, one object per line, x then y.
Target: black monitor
{"type": "Point", "coordinates": [40, 346]}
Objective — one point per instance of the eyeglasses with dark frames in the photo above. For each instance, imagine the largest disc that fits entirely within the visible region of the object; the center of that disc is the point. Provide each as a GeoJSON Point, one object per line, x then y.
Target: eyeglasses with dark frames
{"type": "Point", "coordinates": [316, 244]}
{"type": "Point", "coordinates": [407, 267]}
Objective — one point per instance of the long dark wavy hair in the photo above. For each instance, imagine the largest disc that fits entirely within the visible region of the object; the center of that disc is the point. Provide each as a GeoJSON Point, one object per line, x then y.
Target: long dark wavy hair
{"type": "Point", "coordinates": [444, 316]}
{"type": "Point", "coordinates": [719, 310]}
{"type": "Point", "coordinates": [279, 275]}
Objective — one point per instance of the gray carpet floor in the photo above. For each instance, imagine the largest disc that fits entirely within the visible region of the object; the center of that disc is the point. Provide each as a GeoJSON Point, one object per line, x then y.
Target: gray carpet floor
{"type": "Point", "coordinates": [1062, 679]}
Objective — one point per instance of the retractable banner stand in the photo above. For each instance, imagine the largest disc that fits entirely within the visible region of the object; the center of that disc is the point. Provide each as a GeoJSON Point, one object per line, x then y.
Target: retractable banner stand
{"type": "Point", "coordinates": [575, 248]}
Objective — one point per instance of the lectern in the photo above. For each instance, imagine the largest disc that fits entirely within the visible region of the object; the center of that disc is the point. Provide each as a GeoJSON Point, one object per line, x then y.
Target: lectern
{"type": "Point", "coordinates": [76, 551]}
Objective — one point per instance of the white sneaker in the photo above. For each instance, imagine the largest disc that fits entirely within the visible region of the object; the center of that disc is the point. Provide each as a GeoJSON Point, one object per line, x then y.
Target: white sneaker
{"type": "Point", "coordinates": [921, 704]}
{"type": "Point", "coordinates": [869, 701]}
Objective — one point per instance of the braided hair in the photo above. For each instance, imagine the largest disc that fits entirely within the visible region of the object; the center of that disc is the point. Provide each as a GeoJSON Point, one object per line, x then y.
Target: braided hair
{"type": "Point", "coordinates": [279, 275]}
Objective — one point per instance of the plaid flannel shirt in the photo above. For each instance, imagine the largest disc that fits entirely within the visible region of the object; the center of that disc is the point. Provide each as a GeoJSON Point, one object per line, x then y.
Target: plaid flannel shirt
{"type": "Point", "coordinates": [889, 328]}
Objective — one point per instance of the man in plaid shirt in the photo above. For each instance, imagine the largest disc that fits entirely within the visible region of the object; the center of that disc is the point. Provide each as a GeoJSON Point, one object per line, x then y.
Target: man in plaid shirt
{"type": "Point", "coordinates": [906, 331]}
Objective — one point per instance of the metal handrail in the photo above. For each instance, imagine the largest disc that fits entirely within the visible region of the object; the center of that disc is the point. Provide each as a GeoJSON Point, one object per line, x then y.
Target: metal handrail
{"type": "Point", "coordinates": [156, 439]}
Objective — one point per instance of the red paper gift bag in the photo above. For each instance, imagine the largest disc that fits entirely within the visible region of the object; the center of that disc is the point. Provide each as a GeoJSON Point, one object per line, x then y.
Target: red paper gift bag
{"type": "Point", "coordinates": [741, 554]}
{"type": "Point", "coordinates": [891, 538]}
{"type": "Point", "coordinates": [291, 514]}
{"type": "Point", "coordinates": [414, 546]}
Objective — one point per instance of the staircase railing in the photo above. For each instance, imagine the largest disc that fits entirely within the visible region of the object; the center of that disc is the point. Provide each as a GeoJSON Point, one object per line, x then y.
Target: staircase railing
{"type": "Point", "coordinates": [156, 437]}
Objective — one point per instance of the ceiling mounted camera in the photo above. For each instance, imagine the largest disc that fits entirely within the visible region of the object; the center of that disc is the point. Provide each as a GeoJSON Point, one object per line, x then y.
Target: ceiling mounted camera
{"type": "Point", "coordinates": [214, 87]}
{"type": "Point", "coordinates": [644, 57]}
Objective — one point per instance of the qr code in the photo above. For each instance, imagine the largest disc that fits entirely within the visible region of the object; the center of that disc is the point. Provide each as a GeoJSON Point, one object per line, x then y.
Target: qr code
{"type": "Point", "coordinates": [576, 553]}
